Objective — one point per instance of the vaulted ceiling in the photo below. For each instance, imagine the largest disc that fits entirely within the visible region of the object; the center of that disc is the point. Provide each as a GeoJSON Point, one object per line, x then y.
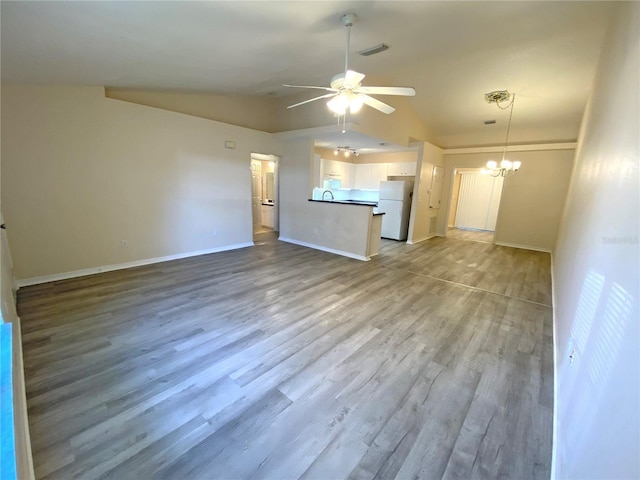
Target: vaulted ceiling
{"type": "Point", "coordinates": [451, 52]}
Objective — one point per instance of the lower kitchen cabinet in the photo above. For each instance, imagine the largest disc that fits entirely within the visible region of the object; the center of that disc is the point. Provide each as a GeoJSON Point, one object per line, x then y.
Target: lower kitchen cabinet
{"type": "Point", "coordinates": [267, 216]}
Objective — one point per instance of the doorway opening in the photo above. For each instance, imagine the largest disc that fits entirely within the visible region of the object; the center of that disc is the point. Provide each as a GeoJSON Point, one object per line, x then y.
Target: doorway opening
{"type": "Point", "coordinates": [264, 196]}
{"type": "Point", "coordinates": [475, 200]}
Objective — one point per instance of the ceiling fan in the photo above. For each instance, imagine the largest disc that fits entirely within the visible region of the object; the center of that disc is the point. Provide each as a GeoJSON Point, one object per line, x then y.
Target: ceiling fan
{"type": "Point", "coordinates": [346, 90]}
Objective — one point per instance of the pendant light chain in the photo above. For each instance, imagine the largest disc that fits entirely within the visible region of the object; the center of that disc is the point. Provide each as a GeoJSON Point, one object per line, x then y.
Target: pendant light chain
{"type": "Point", "coordinates": [506, 141]}
{"type": "Point", "coordinates": [506, 168]}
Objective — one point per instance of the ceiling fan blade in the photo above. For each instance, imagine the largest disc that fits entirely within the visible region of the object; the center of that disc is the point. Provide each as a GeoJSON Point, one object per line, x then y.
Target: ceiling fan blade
{"type": "Point", "coordinates": [353, 78]}
{"type": "Point", "coordinates": [404, 91]}
{"type": "Point", "coordinates": [377, 104]}
{"type": "Point", "coordinates": [311, 86]}
{"type": "Point", "coordinates": [313, 99]}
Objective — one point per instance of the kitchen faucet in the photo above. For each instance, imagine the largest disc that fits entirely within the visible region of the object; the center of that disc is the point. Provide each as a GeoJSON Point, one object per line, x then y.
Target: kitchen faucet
{"type": "Point", "coordinates": [329, 192]}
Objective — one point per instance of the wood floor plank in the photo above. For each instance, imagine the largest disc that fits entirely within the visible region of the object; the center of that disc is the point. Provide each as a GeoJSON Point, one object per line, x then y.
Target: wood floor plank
{"type": "Point", "coordinates": [233, 436]}
{"type": "Point", "coordinates": [445, 410]}
{"type": "Point", "coordinates": [432, 360]}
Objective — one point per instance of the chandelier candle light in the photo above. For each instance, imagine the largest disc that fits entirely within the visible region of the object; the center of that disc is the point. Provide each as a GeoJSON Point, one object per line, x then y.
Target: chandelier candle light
{"type": "Point", "coordinates": [506, 168]}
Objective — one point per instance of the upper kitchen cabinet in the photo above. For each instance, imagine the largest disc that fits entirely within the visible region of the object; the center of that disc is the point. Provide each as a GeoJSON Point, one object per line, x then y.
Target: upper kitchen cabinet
{"type": "Point", "coordinates": [369, 175]}
{"type": "Point", "coordinates": [379, 172]}
{"type": "Point", "coordinates": [335, 170]}
{"type": "Point", "coordinates": [401, 169]}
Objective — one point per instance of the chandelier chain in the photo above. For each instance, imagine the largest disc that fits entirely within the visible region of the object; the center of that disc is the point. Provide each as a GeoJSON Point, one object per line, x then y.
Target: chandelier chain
{"type": "Point", "coordinates": [510, 104]}
{"type": "Point", "coordinates": [505, 168]}
{"type": "Point", "coordinates": [506, 140]}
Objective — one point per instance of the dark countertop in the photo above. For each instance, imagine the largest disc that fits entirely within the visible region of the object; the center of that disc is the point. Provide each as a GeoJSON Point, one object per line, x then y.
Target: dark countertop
{"type": "Point", "coordinates": [350, 202]}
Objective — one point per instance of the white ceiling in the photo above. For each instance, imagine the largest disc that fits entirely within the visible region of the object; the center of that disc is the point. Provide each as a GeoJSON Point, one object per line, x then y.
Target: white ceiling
{"type": "Point", "coordinates": [451, 52]}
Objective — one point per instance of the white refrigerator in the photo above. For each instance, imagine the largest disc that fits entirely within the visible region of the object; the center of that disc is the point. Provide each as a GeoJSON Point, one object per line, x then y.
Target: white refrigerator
{"type": "Point", "coordinates": [395, 202]}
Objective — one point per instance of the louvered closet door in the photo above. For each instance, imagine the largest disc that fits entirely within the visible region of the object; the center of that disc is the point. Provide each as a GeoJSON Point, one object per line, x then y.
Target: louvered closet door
{"type": "Point", "coordinates": [478, 201]}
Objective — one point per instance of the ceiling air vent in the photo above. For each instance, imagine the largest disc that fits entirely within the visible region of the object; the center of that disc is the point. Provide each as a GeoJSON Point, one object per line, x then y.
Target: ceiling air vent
{"type": "Point", "coordinates": [373, 50]}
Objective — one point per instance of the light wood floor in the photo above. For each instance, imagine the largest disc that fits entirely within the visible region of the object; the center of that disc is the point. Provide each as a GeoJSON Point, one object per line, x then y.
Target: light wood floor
{"type": "Point", "coordinates": [277, 361]}
{"type": "Point", "coordinates": [471, 235]}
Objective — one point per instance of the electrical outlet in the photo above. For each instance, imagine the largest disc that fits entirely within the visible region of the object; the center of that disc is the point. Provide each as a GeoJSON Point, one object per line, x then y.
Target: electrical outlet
{"type": "Point", "coordinates": [124, 243]}
{"type": "Point", "coordinates": [571, 350]}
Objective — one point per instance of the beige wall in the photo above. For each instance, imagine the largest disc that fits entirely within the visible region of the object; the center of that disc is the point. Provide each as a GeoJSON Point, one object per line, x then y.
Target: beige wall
{"type": "Point", "coordinates": [596, 274]}
{"type": "Point", "coordinates": [391, 157]}
{"type": "Point", "coordinates": [402, 127]}
{"type": "Point", "coordinates": [251, 111]}
{"type": "Point", "coordinates": [428, 157]}
{"type": "Point", "coordinates": [532, 200]}
{"type": "Point", "coordinates": [270, 114]}
{"type": "Point", "coordinates": [387, 157]}
{"type": "Point", "coordinates": [81, 173]}
{"type": "Point", "coordinates": [328, 154]}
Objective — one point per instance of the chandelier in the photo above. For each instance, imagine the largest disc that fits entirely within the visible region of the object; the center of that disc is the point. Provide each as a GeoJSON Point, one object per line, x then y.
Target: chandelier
{"type": "Point", "coordinates": [505, 168]}
{"type": "Point", "coordinates": [346, 151]}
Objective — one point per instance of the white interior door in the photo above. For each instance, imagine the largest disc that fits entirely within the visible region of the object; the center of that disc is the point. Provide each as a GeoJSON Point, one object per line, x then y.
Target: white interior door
{"type": "Point", "coordinates": [478, 201]}
{"type": "Point", "coordinates": [256, 193]}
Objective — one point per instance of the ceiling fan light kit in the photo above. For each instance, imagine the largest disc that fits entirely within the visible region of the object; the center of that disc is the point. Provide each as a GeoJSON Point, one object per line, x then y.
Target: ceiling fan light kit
{"type": "Point", "coordinates": [505, 168]}
{"type": "Point", "coordinates": [346, 90]}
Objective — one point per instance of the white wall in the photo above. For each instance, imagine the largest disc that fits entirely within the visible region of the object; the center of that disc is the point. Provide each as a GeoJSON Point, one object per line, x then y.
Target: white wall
{"type": "Point", "coordinates": [596, 269]}
{"type": "Point", "coordinates": [532, 200]}
{"type": "Point", "coordinates": [81, 172]}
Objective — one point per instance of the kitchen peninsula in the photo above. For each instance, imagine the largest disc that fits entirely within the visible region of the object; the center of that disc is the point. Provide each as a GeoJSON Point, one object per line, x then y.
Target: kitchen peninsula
{"type": "Point", "coordinates": [341, 214]}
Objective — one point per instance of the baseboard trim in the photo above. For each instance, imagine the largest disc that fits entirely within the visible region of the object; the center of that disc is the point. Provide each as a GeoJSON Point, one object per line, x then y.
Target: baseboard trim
{"type": "Point", "coordinates": [525, 247]}
{"type": "Point", "coordinates": [554, 434]}
{"type": "Point", "coordinates": [325, 249]}
{"type": "Point", "coordinates": [121, 266]}
{"type": "Point", "coordinates": [413, 242]}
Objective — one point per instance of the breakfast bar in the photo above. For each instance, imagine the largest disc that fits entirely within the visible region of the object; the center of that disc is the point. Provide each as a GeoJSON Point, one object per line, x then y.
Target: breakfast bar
{"type": "Point", "coordinates": [357, 224]}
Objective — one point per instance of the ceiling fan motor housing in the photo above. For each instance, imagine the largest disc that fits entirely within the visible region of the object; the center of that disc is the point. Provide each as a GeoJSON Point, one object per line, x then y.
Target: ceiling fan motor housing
{"type": "Point", "coordinates": [349, 19]}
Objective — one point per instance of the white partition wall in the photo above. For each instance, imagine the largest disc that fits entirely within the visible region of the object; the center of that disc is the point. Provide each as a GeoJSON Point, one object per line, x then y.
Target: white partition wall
{"type": "Point", "coordinates": [478, 201]}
